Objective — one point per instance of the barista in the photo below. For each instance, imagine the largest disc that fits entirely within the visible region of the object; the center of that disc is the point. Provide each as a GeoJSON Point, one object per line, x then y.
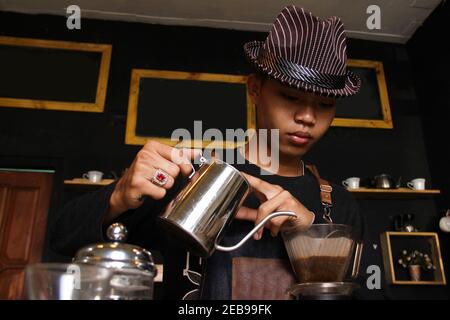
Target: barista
{"type": "Point", "coordinates": [300, 70]}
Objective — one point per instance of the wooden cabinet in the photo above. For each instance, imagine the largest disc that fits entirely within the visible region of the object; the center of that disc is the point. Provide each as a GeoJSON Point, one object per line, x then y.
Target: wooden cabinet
{"type": "Point", "coordinates": [24, 203]}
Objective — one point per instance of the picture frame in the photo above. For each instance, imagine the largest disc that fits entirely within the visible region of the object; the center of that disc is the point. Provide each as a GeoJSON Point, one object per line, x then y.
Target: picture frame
{"type": "Point", "coordinates": [82, 88]}
{"type": "Point", "coordinates": [234, 86]}
{"type": "Point", "coordinates": [370, 107]}
{"type": "Point", "coordinates": [374, 90]}
{"type": "Point", "coordinates": [393, 243]}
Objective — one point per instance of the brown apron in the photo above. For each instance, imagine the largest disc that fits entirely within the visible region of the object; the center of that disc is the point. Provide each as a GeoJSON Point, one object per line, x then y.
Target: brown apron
{"type": "Point", "coordinates": [269, 279]}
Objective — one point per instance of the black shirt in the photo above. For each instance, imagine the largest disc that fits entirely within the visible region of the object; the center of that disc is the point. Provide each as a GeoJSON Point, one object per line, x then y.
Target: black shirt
{"type": "Point", "coordinates": [80, 223]}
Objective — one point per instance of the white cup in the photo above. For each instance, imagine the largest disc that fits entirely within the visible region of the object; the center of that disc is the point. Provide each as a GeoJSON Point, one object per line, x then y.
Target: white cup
{"type": "Point", "coordinates": [444, 223]}
{"type": "Point", "coordinates": [93, 176]}
{"type": "Point", "coordinates": [351, 183]}
{"type": "Point", "coordinates": [416, 184]}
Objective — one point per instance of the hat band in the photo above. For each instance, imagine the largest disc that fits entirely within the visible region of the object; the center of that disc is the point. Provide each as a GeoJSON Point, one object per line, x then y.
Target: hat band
{"type": "Point", "coordinates": [299, 72]}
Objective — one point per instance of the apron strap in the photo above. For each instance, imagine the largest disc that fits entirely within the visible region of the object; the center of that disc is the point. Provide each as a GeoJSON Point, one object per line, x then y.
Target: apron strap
{"type": "Point", "coordinates": [325, 193]}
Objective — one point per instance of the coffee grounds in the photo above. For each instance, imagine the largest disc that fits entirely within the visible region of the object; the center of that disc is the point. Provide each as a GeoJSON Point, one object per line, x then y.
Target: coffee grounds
{"type": "Point", "coordinates": [320, 269]}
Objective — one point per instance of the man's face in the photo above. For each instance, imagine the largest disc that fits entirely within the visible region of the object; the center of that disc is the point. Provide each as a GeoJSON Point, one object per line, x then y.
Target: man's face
{"type": "Point", "coordinates": [302, 118]}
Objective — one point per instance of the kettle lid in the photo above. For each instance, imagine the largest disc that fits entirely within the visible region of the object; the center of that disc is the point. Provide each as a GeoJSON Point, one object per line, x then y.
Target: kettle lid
{"type": "Point", "coordinates": [117, 254]}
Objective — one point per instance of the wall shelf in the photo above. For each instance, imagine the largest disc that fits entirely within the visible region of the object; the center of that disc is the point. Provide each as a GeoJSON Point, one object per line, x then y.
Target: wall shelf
{"type": "Point", "coordinates": [365, 193]}
{"type": "Point", "coordinates": [86, 183]}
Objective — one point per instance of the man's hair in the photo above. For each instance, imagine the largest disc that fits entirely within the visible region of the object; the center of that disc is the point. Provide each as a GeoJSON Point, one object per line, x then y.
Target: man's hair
{"type": "Point", "coordinates": [262, 76]}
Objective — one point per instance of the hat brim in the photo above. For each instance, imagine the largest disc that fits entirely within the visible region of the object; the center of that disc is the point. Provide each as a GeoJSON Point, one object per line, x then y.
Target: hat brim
{"type": "Point", "coordinates": [351, 87]}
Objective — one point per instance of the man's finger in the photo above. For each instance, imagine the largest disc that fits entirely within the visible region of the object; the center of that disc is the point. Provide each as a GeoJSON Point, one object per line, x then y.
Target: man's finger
{"type": "Point", "coordinates": [262, 187]}
{"type": "Point", "coordinates": [181, 157]}
{"type": "Point", "coordinates": [247, 214]}
{"type": "Point", "coordinates": [189, 154]}
{"type": "Point", "coordinates": [184, 157]}
{"type": "Point", "coordinates": [147, 188]}
{"type": "Point", "coordinates": [159, 162]}
{"type": "Point", "coordinates": [266, 209]}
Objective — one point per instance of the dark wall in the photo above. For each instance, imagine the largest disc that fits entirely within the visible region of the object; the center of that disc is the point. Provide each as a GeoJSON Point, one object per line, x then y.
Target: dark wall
{"type": "Point", "coordinates": [77, 141]}
{"type": "Point", "coordinates": [431, 66]}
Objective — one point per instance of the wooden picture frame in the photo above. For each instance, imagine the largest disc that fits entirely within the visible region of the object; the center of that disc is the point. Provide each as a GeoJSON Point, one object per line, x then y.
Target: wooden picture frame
{"type": "Point", "coordinates": [131, 137]}
{"type": "Point", "coordinates": [66, 47]}
{"type": "Point", "coordinates": [385, 121]}
{"type": "Point", "coordinates": [393, 242]}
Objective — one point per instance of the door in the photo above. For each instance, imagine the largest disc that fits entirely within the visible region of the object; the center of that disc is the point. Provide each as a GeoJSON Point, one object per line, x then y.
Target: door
{"type": "Point", "coordinates": [24, 203]}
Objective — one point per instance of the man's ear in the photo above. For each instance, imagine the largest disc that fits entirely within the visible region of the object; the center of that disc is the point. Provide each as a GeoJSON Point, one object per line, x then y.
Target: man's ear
{"type": "Point", "coordinates": [254, 87]}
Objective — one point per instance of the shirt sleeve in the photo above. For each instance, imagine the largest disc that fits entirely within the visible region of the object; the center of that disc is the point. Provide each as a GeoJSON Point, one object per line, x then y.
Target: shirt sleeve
{"type": "Point", "coordinates": [80, 221]}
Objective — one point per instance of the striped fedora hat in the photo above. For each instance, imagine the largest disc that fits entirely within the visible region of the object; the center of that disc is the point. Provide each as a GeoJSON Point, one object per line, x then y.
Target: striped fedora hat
{"type": "Point", "coordinates": [306, 53]}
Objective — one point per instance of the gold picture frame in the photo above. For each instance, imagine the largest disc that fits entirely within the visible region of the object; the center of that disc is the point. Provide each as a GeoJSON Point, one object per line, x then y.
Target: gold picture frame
{"type": "Point", "coordinates": [391, 255]}
{"type": "Point", "coordinates": [102, 82]}
{"type": "Point", "coordinates": [137, 74]}
{"type": "Point", "coordinates": [386, 122]}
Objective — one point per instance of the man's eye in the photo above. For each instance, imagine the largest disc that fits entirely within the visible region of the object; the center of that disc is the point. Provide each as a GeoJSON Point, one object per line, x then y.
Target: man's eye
{"type": "Point", "coordinates": [289, 97]}
{"type": "Point", "coordinates": [326, 105]}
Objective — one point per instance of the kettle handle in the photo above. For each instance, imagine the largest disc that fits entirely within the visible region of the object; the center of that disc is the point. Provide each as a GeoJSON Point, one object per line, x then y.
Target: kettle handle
{"type": "Point", "coordinates": [254, 230]}
{"type": "Point", "coordinates": [202, 162]}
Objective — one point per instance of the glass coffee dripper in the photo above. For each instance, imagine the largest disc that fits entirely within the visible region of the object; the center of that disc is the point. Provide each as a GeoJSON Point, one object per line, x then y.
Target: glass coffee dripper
{"type": "Point", "coordinates": [320, 256]}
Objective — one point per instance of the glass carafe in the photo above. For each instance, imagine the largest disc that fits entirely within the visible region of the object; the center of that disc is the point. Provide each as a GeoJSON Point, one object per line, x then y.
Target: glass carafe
{"type": "Point", "coordinates": [58, 281]}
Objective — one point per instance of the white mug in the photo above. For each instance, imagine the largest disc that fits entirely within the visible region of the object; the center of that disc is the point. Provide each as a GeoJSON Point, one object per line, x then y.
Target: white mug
{"type": "Point", "coordinates": [93, 176]}
{"type": "Point", "coordinates": [444, 223]}
{"type": "Point", "coordinates": [351, 183]}
{"type": "Point", "coordinates": [416, 184]}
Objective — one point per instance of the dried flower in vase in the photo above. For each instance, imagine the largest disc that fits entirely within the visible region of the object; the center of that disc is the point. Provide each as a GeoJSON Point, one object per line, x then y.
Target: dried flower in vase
{"type": "Point", "coordinates": [416, 258]}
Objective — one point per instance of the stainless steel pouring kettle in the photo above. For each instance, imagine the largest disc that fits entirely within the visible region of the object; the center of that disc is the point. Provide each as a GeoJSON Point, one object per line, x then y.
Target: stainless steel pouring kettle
{"type": "Point", "coordinates": [201, 212]}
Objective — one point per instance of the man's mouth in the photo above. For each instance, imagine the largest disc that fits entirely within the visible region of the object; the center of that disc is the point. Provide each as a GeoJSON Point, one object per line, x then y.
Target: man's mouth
{"type": "Point", "coordinates": [299, 138]}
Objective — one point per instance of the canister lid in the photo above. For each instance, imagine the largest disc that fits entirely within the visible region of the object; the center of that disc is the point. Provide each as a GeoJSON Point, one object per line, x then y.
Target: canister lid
{"type": "Point", "coordinates": [117, 254]}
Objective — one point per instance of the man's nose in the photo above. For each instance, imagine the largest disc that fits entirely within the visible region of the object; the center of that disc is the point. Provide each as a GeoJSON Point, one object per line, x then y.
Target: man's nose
{"type": "Point", "coordinates": [306, 114]}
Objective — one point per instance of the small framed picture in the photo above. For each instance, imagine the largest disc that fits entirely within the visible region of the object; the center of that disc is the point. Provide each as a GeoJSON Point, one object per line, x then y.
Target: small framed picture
{"type": "Point", "coordinates": [412, 258]}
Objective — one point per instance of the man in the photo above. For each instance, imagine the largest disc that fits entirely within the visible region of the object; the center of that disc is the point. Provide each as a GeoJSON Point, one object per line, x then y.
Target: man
{"type": "Point", "coordinates": [300, 71]}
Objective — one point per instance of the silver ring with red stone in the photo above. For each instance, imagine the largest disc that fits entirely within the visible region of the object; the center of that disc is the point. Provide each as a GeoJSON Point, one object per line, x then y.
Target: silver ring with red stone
{"type": "Point", "coordinates": [160, 178]}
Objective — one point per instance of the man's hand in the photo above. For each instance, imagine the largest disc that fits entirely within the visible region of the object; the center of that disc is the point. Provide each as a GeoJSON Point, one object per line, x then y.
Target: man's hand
{"type": "Point", "coordinates": [273, 198]}
{"type": "Point", "coordinates": [137, 180]}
